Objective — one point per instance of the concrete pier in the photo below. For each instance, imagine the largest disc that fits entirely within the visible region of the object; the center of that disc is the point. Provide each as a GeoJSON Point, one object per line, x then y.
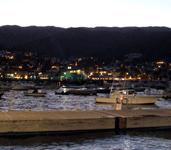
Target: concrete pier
{"type": "Point", "coordinates": [60, 121]}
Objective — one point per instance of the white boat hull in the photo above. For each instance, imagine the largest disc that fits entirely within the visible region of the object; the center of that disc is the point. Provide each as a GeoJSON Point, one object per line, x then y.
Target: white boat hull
{"type": "Point", "coordinates": [137, 100]}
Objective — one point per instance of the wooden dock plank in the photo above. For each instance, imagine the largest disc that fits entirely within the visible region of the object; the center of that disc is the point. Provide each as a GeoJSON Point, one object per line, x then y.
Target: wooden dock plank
{"type": "Point", "coordinates": [54, 121]}
{"type": "Point", "coordinates": [49, 121]}
{"type": "Point", "coordinates": [148, 122]}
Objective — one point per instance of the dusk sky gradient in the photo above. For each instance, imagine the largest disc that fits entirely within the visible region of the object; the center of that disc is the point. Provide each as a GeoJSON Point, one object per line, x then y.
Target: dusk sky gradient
{"type": "Point", "coordinates": [86, 13]}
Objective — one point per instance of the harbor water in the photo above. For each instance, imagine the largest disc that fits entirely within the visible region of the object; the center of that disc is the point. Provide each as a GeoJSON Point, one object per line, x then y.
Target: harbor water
{"type": "Point", "coordinates": [16, 101]}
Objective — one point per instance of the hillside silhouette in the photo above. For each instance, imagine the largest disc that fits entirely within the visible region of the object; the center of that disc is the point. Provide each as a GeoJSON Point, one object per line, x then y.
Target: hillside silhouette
{"type": "Point", "coordinates": [154, 43]}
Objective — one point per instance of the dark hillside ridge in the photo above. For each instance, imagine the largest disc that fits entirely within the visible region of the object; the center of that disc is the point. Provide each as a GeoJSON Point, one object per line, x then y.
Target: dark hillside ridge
{"type": "Point", "coordinates": [153, 43]}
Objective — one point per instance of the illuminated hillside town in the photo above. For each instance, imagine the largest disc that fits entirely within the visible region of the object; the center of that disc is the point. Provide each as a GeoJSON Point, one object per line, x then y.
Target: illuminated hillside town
{"type": "Point", "coordinates": [81, 75]}
{"type": "Point", "coordinates": [29, 66]}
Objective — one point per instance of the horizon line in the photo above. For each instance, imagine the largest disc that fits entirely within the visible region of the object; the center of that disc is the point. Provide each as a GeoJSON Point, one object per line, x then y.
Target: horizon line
{"type": "Point", "coordinates": [86, 26]}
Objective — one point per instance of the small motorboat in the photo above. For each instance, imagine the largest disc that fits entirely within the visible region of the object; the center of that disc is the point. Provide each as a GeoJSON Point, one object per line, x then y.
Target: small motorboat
{"type": "Point", "coordinates": [82, 91]}
{"type": "Point", "coordinates": [19, 86]}
{"type": "Point", "coordinates": [128, 96]}
{"type": "Point", "coordinates": [103, 90]}
{"type": "Point", "coordinates": [36, 93]}
{"type": "Point", "coordinates": [73, 86]}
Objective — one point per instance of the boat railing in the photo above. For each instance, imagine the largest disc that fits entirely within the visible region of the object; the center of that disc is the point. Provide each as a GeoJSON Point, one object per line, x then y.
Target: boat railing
{"type": "Point", "coordinates": [107, 96]}
{"type": "Point", "coordinates": [127, 96]}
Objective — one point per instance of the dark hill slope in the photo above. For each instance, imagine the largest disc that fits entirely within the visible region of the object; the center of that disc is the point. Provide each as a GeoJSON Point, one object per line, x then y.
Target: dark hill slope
{"type": "Point", "coordinates": [14, 35]}
{"type": "Point", "coordinates": [107, 43]}
{"type": "Point", "coordinates": [104, 43]}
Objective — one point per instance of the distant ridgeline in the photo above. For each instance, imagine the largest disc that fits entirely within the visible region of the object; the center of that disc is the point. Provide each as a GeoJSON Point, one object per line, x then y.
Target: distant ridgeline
{"type": "Point", "coordinates": [154, 43]}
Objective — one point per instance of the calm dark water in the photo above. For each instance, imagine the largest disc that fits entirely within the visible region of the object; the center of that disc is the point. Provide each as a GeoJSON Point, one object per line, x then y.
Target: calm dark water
{"type": "Point", "coordinates": [16, 101]}
{"type": "Point", "coordinates": [102, 140]}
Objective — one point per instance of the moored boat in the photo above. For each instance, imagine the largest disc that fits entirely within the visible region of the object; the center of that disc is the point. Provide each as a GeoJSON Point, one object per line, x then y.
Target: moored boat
{"type": "Point", "coordinates": [79, 92]}
{"type": "Point", "coordinates": [36, 93]}
{"type": "Point", "coordinates": [73, 86]}
{"type": "Point", "coordinates": [103, 90]}
{"type": "Point", "coordinates": [83, 92]}
{"type": "Point", "coordinates": [19, 86]}
{"type": "Point", "coordinates": [128, 96]}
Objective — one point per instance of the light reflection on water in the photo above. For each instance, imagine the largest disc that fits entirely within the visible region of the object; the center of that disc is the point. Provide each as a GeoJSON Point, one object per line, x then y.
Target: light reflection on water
{"type": "Point", "coordinates": [15, 100]}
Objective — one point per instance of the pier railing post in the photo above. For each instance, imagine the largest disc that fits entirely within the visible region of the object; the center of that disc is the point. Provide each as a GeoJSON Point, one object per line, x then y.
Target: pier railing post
{"type": "Point", "coordinates": [120, 124]}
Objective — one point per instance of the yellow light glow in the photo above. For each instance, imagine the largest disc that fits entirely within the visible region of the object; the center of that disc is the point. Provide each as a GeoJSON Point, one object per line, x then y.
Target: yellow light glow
{"type": "Point", "coordinates": [11, 57]}
{"type": "Point", "coordinates": [79, 71]}
{"type": "Point", "coordinates": [44, 78]}
{"type": "Point", "coordinates": [160, 62]}
{"type": "Point", "coordinates": [25, 77]}
{"type": "Point", "coordinates": [69, 67]}
{"type": "Point", "coordinates": [103, 72]}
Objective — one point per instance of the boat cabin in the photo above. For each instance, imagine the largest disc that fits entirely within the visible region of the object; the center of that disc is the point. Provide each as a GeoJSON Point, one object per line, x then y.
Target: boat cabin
{"type": "Point", "coordinates": [124, 93]}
